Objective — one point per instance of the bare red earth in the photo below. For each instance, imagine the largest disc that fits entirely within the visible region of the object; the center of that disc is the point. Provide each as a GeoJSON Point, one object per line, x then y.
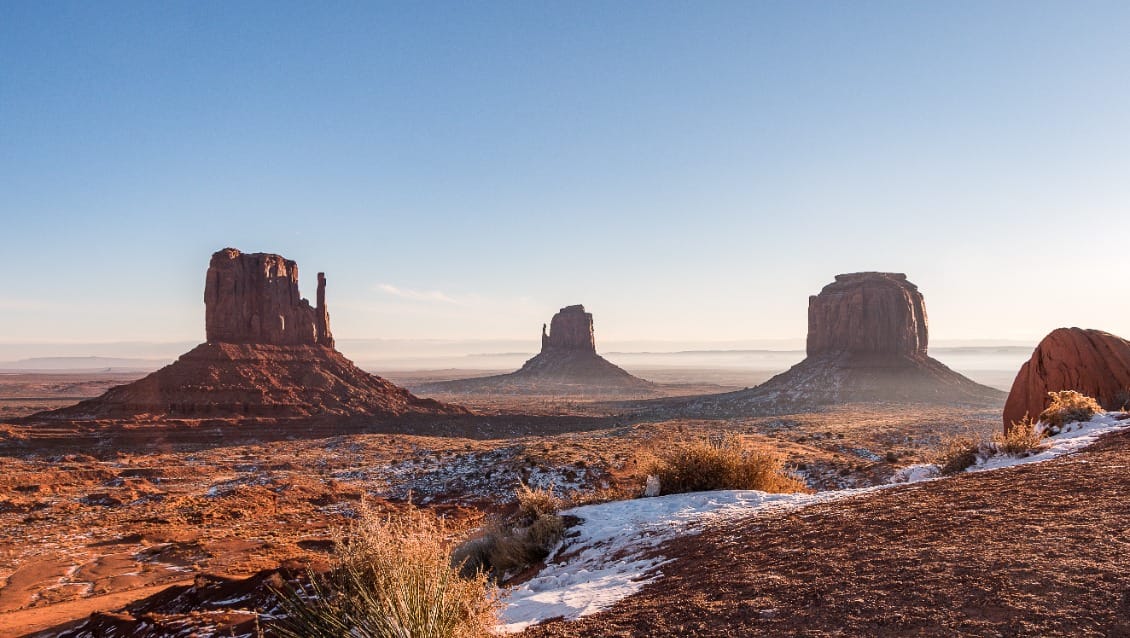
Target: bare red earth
{"type": "Point", "coordinates": [1034, 550]}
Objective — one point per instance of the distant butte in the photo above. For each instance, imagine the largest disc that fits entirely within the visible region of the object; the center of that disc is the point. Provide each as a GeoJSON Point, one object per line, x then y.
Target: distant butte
{"type": "Point", "coordinates": [269, 355]}
{"type": "Point", "coordinates": [567, 364]}
{"type": "Point", "coordinates": [867, 343]}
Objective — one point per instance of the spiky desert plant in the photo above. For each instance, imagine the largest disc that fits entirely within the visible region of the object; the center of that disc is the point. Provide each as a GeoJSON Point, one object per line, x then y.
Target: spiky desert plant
{"type": "Point", "coordinates": [392, 577]}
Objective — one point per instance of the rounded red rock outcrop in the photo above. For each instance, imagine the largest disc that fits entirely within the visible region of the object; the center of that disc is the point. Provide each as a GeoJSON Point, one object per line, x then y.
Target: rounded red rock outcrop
{"type": "Point", "coordinates": [1092, 362]}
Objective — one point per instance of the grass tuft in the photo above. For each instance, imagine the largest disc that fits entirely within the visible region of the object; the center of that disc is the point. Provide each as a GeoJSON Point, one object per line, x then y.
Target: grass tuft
{"type": "Point", "coordinates": [512, 545]}
{"type": "Point", "coordinates": [1022, 438]}
{"type": "Point", "coordinates": [720, 463]}
{"type": "Point", "coordinates": [392, 577]}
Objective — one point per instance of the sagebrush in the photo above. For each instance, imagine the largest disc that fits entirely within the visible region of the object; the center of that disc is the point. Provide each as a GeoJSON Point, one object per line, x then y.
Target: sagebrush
{"type": "Point", "coordinates": [392, 577]}
{"type": "Point", "coordinates": [1068, 406]}
{"type": "Point", "coordinates": [720, 463]}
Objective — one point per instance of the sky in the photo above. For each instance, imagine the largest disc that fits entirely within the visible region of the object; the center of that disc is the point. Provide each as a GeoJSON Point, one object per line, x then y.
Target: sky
{"type": "Point", "coordinates": [690, 171]}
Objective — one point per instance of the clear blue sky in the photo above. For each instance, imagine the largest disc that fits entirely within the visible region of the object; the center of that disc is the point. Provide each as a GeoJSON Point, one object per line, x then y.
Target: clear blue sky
{"type": "Point", "coordinates": [689, 171]}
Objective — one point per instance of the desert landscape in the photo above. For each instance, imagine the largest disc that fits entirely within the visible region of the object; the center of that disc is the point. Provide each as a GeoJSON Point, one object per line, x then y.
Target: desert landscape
{"type": "Point", "coordinates": [715, 319]}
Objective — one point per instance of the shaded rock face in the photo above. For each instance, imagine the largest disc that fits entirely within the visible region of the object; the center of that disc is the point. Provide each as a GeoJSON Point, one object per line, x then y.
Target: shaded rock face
{"type": "Point", "coordinates": [253, 298]}
{"type": "Point", "coordinates": [868, 313]}
{"type": "Point", "coordinates": [567, 365]}
{"type": "Point", "coordinates": [570, 329]}
{"type": "Point", "coordinates": [1092, 362]}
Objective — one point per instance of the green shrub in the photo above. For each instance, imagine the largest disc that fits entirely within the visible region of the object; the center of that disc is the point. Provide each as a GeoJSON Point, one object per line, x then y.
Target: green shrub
{"type": "Point", "coordinates": [392, 577]}
{"type": "Point", "coordinates": [720, 463]}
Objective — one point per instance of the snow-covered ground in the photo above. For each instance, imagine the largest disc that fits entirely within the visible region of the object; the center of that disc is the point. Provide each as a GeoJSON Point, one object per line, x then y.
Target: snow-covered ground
{"type": "Point", "coordinates": [612, 553]}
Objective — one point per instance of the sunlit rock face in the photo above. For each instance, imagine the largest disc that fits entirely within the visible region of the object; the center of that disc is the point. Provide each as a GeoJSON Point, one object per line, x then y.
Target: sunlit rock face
{"type": "Point", "coordinates": [253, 298]}
{"type": "Point", "coordinates": [1092, 362]}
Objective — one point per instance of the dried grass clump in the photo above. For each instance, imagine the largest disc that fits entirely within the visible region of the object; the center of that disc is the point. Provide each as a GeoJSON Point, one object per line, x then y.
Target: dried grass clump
{"type": "Point", "coordinates": [1068, 406]}
{"type": "Point", "coordinates": [392, 577]}
{"type": "Point", "coordinates": [1022, 438]}
{"type": "Point", "coordinates": [512, 545]}
{"type": "Point", "coordinates": [960, 452]}
{"type": "Point", "coordinates": [536, 502]}
{"type": "Point", "coordinates": [721, 463]}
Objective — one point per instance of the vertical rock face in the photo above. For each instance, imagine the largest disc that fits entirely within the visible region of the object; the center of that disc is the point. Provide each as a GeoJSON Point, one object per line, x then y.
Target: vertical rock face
{"type": "Point", "coordinates": [253, 299]}
{"type": "Point", "coordinates": [1092, 362]}
{"type": "Point", "coordinates": [570, 329]}
{"type": "Point", "coordinates": [872, 313]}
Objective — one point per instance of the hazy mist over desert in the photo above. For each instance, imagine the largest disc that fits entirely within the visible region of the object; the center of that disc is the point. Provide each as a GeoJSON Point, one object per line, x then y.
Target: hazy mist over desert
{"type": "Point", "coordinates": [441, 320]}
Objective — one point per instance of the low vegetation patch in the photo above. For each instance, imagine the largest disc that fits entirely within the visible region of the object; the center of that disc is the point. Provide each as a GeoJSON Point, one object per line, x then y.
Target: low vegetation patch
{"type": "Point", "coordinates": [1068, 406]}
{"type": "Point", "coordinates": [512, 545]}
{"type": "Point", "coordinates": [720, 463]}
{"type": "Point", "coordinates": [961, 452]}
{"type": "Point", "coordinates": [392, 576]}
{"type": "Point", "coordinates": [1024, 437]}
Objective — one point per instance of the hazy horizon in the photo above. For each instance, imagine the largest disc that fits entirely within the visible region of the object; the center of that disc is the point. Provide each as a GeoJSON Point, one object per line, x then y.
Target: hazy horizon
{"type": "Point", "coordinates": [689, 172]}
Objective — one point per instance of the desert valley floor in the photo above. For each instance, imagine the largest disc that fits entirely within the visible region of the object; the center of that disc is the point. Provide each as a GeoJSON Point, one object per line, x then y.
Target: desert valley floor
{"type": "Point", "coordinates": [98, 517]}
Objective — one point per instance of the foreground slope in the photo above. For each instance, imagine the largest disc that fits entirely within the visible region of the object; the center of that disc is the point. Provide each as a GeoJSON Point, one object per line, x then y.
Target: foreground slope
{"type": "Point", "coordinates": [1032, 550]}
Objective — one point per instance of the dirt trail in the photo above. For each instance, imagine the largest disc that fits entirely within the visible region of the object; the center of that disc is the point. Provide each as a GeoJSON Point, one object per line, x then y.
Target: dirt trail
{"type": "Point", "coordinates": [1034, 550]}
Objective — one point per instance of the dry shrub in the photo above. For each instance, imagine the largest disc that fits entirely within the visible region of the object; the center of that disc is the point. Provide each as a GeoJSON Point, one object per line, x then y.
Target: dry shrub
{"type": "Point", "coordinates": [525, 539]}
{"type": "Point", "coordinates": [1022, 438]}
{"type": "Point", "coordinates": [720, 463]}
{"type": "Point", "coordinates": [960, 452]}
{"type": "Point", "coordinates": [392, 577]}
{"type": "Point", "coordinates": [536, 502]}
{"type": "Point", "coordinates": [1068, 406]}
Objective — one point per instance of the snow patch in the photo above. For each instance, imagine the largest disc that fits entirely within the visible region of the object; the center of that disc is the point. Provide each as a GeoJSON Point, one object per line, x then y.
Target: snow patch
{"type": "Point", "coordinates": [612, 553]}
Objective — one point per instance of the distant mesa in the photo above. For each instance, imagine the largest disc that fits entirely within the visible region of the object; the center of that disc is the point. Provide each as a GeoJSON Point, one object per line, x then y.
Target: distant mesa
{"type": "Point", "coordinates": [269, 354]}
{"type": "Point", "coordinates": [1092, 362]}
{"type": "Point", "coordinates": [567, 364]}
{"type": "Point", "coordinates": [867, 343]}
